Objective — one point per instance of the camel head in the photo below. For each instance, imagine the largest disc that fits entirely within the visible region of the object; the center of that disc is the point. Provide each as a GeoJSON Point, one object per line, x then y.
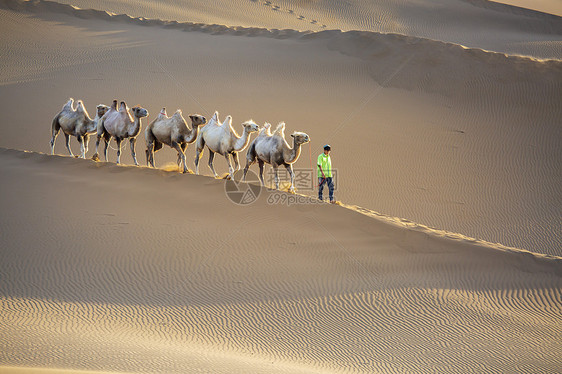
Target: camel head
{"type": "Point", "coordinates": [300, 137]}
{"type": "Point", "coordinates": [139, 112]}
{"type": "Point", "coordinates": [250, 126]}
{"type": "Point", "coordinates": [197, 120]}
{"type": "Point", "coordinates": [101, 110]}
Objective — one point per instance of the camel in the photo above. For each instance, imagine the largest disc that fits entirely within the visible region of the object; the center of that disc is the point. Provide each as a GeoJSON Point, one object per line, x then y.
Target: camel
{"type": "Point", "coordinates": [76, 122]}
{"type": "Point", "coordinates": [119, 124]}
{"type": "Point", "coordinates": [173, 132]}
{"type": "Point", "coordinates": [274, 150]}
{"type": "Point", "coordinates": [224, 140]}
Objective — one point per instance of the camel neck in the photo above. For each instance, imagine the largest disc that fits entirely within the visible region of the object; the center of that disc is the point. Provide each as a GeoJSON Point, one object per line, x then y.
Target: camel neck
{"type": "Point", "coordinates": [242, 141]}
{"type": "Point", "coordinates": [293, 154]}
{"type": "Point", "coordinates": [135, 128]}
{"type": "Point", "coordinates": [190, 138]}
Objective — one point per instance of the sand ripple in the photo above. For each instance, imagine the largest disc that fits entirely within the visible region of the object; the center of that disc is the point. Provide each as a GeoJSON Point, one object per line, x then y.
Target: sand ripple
{"type": "Point", "coordinates": [344, 293]}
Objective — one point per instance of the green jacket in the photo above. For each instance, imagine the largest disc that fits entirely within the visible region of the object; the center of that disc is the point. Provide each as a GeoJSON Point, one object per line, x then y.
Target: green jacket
{"type": "Point", "coordinates": [326, 163]}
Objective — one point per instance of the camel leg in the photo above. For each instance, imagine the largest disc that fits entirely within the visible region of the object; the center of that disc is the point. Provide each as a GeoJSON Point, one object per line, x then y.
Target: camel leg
{"type": "Point", "coordinates": [100, 134]}
{"type": "Point", "coordinates": [118, 140]}
{"type": "Point", "coordinates": [67, 137]}
{"type": "Point", "coordinates": [276, 174]}
{"type": "Point", "coordinates": [81, 142]}
{"type": "Point", "coordinates": [86, 141]}
{"type": "Point", "coordinates": [96, 155]}
{"type": "Point", "coordinates": [199, 153]}
{"type": "Point", "coordinates": [236, 163]}
{"type": "Point", "coordinates": [150, 153]}
{"type": "Point", "coordinates": [248, 163]}
{"type": "Point", "coordinates": [150, 145]}
{"type": "Point", "coordinates": [211, 158]}
{"type": "Point", "coordinates": [230, 169]}
{"type": "Point", "coordinates": [106, 139]}
{"type": "Point", "coordinates": [54, 133]}
{"type": "Point", "coordinates": [290, 170]}
{"type": "Point", "coordinates": [261, 164]}
{"type": "Point", "coordinates": [183, 148]}
{"type": "Point", "coordinates": [181, 155]}
{"type": "Point", "coordinates": [133, 141]}
{"type": "Point", "coordinates": [250, 159]}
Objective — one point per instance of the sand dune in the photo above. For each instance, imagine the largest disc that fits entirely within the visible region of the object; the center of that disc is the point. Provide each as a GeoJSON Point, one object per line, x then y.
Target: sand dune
{"type": "Point", "coordinates": [458, 139]}
{"type": "Point", "coordinates": [303, 288]}
{"type": "Point", "coordinates": [478, 24]}
{"type": "Point", "coordinates": [444, 120]}
{"type": "Point", "coordinates": [545, 6]}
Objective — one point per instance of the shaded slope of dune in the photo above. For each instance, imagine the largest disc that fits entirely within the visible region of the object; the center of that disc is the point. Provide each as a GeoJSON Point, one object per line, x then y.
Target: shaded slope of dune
{"type": "Point", "coordinates": [103, 266]}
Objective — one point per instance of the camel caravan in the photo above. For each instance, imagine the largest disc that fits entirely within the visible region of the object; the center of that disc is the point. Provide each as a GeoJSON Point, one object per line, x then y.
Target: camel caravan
{"type": "Point", "coordinates": [121, 122]}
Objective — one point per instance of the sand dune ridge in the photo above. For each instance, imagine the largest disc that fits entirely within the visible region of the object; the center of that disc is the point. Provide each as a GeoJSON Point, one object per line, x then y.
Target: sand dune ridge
{"type": "Point", "coordinates": [554, 27]}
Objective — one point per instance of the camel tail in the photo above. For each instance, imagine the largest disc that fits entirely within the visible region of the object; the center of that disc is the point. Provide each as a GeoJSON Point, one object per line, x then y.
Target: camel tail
{"type": "Point", "coordinates": [150, 138]}
{"type": "Point", "coordinates": [157, 146]}
{"type": "Point", "coordinates": [55, 126]}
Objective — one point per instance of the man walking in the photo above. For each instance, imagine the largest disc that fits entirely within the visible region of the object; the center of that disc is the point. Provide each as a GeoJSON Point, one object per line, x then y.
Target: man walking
{"type": "Point", "coordinates": [325, 173]}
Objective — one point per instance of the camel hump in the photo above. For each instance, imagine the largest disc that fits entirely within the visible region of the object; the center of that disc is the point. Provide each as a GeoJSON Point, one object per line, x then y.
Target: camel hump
{"type": "Point", "coordinates": [280, 129]}
{"type": "Point", "coordinates": [69, 104]}
{"type": "Point", "coordinates": [81, 109]}
{"type": "Point", "coordinates": [227, 121]}
{"type": "Point", "coordinates": [114, 105]}
{"type": "Point", "coordinates": [178, 116]}
{"type": "Point", "coordinates": [123, 107]}
{"type": "Point", "coordinates": [163, 113]}
{"type": "Point", "coordinates": [215, 117]}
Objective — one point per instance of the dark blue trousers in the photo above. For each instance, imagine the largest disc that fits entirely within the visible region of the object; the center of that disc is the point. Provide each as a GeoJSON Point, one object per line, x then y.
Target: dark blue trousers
{"type": "Point", "coordinates": [321, 183]}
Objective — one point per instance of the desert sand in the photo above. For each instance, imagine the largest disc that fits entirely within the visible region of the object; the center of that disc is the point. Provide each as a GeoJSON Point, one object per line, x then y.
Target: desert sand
{"type": "Point", "coordinates": [444, 254]}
